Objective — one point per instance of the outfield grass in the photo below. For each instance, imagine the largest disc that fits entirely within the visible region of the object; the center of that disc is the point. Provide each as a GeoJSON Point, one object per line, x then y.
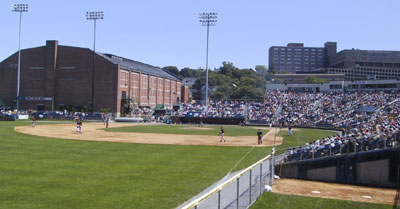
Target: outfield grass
{"type": "Point", "coordinates": [37, 172]}
{"type": "Point", "coordinates": [301, 137]}
{"type": "Point", "coordinates": [230, 130]}
{"type": "Point", "coordinates": [278, 201]}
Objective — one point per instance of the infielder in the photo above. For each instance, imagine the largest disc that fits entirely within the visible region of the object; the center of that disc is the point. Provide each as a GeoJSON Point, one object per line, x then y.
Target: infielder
{"type": "Point", "coordinates": [222, 134]}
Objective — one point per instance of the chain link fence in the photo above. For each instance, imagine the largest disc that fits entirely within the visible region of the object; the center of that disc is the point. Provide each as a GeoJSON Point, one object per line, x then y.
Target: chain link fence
{"type": "Point", "coordinates": [241, 190]}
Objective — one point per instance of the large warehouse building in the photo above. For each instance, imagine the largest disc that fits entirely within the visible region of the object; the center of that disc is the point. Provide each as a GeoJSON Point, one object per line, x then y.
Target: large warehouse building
{"type": "Point", "coordinates": [55, 76]}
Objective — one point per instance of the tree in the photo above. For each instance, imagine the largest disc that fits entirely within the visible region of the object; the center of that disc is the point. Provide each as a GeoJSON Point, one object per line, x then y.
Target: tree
{"type": "Point", "coordinates": [246, 81]}
{"type": "Point", "coordinates": [260, 82]}
{"type": "Point", "coordinates": [217, 95]}
{"type": "Point", "coordinates": [271, 69]}
{"type": "Point", "coordinates": [198, 95]}
{"type": "Point", "coordinates": [261, 69]}
{"type": "Point", "coordinates": [314, 79]}
{"type": "Point", "coordinates": [229, 82]}
{"type": "Point", "coordinates": [223, 92]}
{"type": "Point", "coordinates": [199, 83]}
{"type": "Point", "coordinates": [171, 69]}
{"type": "Point", "coordinates": [188, 73]}
{"type": "Point", "coordinates": [227, 69]}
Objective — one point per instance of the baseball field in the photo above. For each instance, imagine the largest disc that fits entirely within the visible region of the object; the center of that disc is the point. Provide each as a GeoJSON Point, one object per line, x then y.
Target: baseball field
{"type": "Point", "coordinates": [42, 168]}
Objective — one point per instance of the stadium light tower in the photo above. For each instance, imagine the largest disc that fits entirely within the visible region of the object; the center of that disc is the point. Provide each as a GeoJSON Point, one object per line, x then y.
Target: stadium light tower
{"type": "Point", "coordinates": [208, 19]}
{"type": "Point", "coordinates": [99, 15]}
{"type": "Point", "coordinates": [19, 8]}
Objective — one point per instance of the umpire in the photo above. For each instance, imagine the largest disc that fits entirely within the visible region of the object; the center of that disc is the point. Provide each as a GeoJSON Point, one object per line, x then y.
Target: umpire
{"type": "Point", "coordinates": [259, 134]}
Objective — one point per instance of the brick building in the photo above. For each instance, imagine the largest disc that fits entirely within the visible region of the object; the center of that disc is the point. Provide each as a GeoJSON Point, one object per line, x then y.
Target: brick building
{"type": "Point", "coordinates": [54, 76]}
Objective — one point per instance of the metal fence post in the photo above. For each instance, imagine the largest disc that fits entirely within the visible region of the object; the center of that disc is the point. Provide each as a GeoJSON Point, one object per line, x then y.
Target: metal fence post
{"type": "Point", "coordinates": [270, 168]}
{"type": "Point", "coordinates": [273, 170]}
{"type": "Point", "coordinates": [260, 178]}
{"type": "Point", "coordinates": [219, 199]}
{"type": "Point", "coordinates": [250, 188]}
{"type": "Point", "coordinates": [237, 193]}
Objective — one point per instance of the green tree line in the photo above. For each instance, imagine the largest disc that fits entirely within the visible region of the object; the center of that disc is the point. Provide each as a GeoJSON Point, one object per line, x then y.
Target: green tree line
{"type": "Point", "coordinates": [227, 81]}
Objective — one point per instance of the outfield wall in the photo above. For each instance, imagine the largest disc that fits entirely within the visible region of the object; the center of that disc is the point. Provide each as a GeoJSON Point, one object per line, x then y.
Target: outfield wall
{"type": "Point", "coordinates": [378, 168]}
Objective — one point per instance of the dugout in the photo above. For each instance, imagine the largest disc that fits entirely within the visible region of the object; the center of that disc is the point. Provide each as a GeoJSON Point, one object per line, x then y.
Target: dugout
{"type": "Point", "coordinates": [379, 168]}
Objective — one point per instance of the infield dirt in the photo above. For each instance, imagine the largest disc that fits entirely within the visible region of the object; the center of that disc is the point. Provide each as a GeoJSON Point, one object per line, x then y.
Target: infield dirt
{"type": "Point", "coordinates": [93, 132]}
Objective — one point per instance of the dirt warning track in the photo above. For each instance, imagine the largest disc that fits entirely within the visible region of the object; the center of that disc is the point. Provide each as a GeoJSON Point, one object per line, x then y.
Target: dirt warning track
{"type": "Point", "coordinates": [334, 191]}
{"type": "Point", "coordinates": [93, 132]}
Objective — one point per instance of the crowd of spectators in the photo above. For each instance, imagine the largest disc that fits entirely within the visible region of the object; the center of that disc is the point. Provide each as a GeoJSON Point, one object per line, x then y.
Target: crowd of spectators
{"type": "Point", "coordinates": [61, 115]}
{"type": "Point", "coordinates": [369, 120]}
{"type": "Point", "coordinates": [337, 110]}
{"type": "Point", "coordinates": [6, 111]}
{"type": "Point", "coordinates": [377, 126]}
{"type": "Point", "coordinates": [141, 111]}
{"type": "Point", "coordinates": [223, 109]}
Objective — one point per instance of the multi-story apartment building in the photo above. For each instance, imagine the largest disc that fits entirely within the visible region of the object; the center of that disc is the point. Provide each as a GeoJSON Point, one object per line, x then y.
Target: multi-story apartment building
{"type": "Point", "coordinates": [365, 58]}
{"type": "Point", "coordinates": [296, 58]}
{"type": "Point", "coordinates": [355, 64]}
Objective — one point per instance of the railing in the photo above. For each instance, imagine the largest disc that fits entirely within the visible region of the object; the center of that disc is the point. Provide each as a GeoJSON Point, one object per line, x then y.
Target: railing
{"type": "Point", "coordinates": [241, 190]}
{"type": "Point", "coordinates": [300, 153]}
{"type": "Point", "coordinates": [150, 114]}
{"type": "Point", "coordinates": [278, 159]}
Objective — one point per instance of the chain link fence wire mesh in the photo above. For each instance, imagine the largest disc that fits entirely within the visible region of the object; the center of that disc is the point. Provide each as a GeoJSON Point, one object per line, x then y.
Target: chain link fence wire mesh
{"type": "Point", "coordinates": [241, 190]}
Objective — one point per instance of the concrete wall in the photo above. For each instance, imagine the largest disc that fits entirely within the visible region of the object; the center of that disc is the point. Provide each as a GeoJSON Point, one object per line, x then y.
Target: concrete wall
{"type": "Point", "coordinates": [289, 171]}
{"type": "Point", "coordinates": [372, 168]}
{"type": "Point", "coordinates": [374, 173]}
{"type": "Point", "coordinates": [322, 174]}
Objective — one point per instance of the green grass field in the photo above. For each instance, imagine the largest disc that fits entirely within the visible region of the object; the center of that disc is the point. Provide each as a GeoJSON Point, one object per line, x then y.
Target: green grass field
{"type": "Point", "coordinates": [37, 172]}
{"type": "Point", "coordinates": [278, 201]}
{"type": "Point", "coordinates": [214, 130]}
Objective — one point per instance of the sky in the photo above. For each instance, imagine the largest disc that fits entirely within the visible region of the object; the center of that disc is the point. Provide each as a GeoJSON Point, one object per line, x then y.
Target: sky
{"type": "Point", "coordinates": [168, 33]}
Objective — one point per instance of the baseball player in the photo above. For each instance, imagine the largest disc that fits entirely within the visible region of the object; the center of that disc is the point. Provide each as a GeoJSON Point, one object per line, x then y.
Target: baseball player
{"type": "Point", "coordinates": [79, 126]}
{"type": "Point", "coordinates": [222, 134]}
{"type": "Point", "coordinates": [107, 120]}
{"type": "Point", "coordinates": [33, 121]}
{"type": "Point", "coordinates": [259, 134]}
